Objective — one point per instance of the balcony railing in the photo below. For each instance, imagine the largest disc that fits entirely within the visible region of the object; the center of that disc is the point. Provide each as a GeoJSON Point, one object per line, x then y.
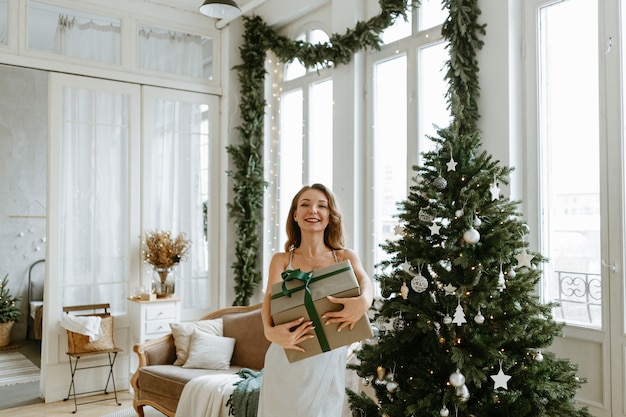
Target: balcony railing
{"type": "Point", "coordinates": [579, 296]}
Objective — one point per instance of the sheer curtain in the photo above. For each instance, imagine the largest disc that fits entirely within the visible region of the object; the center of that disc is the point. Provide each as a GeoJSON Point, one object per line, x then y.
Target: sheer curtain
{"type": "Point", "coordinates": [176, 185]}
{"type": "Point", "coordinates": [95, 198]}
{"type": "Point", "coordinates": [86, 39]}
{"type": "Point", "coordinates": [171, 52]}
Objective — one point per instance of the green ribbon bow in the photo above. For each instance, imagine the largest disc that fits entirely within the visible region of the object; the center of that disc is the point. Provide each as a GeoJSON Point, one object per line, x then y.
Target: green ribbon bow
{"type": "Point", "coordinates": [308, 303]}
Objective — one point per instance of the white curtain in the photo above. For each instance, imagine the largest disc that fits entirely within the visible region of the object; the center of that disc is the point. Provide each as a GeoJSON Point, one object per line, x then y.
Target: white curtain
{"type": "Point", "coordinates": [171, 52]}
{"type": "Point", "coordinates": [175, 161]}
{"type": "Point", "coordinates": [87, 40]}
{"type": "Point", "coordinates": [94, 198]}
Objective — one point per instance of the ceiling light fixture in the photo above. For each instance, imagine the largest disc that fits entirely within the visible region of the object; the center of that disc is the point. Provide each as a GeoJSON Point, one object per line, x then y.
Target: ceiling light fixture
{"type": "Point", "coordinates": [220, 9]}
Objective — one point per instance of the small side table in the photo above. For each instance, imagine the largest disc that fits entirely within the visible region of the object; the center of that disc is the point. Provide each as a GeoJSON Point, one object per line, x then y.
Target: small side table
{"type": "Point", "coordinates": [149, 320]}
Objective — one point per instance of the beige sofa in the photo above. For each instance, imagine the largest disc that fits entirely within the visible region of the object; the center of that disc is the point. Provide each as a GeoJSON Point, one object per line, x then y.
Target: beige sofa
{"type": "Point", "coordinates": [158, 383]}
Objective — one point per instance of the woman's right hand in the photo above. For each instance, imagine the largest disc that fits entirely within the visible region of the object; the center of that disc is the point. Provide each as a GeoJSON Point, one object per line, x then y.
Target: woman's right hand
{"type": "Point", "coordinates": [289, 335]}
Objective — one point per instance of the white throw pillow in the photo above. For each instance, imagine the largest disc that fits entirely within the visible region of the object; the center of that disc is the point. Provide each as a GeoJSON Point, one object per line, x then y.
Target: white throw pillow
{"type": "Point", "coordinates": [182, 335]}
{"type": "Point", "coordinates": [207, 351]}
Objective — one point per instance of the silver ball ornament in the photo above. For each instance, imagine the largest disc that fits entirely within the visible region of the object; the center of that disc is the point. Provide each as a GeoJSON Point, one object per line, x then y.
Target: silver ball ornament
{"type": "Point", "coordinates": [471, 236]}
{"type": "Point", "coordinates": [424, 216]}
{"type": "Point", "coordinates": [463, 393]}
{"type": "Point", "coordinates": [440, 183]}
{"type": "Point", "coordinates": [457, 379]}
{"type": "Point", "coordinates": [392, 386]}
{"type": "Point", "coordinates": [399, 324]}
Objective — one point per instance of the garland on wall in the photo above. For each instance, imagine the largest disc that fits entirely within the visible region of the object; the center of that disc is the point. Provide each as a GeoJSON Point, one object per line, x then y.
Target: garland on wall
{"type": "Point", "coordinates": [247, 175]}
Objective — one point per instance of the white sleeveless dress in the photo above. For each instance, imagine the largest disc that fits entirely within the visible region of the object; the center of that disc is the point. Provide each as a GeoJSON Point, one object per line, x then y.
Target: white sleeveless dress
{"type": "Point", "coordinates": [312, 387]}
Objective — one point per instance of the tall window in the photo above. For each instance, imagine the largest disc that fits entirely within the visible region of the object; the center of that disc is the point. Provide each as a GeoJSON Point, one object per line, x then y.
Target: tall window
{"type": "Point", "coordinates": [301, 151]}
{"type": "Point", "coordinates": [569, 149]}
{"type": "Point", "coordinates": [408, 95]}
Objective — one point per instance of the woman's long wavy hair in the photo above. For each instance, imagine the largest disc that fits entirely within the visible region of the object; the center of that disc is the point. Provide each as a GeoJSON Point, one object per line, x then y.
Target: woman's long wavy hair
{"type": "Point", "coordinates": [333, 234]}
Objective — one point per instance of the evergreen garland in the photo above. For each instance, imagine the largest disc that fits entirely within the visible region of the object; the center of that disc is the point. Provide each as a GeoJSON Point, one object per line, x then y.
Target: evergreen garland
{"type": "Point", "coordinates": [247, 177]}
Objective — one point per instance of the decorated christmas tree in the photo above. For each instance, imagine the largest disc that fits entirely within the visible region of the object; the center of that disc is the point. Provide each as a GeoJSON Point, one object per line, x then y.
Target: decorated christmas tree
{"type": "Point", "coordinates": [461, 331]}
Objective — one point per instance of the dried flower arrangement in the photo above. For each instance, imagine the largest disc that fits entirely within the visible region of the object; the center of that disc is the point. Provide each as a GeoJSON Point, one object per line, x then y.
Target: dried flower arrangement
{"type": "Point", "coordinates": [162, 251]}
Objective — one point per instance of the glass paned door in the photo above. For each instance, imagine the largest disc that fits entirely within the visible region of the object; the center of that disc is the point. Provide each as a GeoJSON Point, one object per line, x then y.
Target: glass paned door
{"type": "Point", "coordinates": [180, 194]}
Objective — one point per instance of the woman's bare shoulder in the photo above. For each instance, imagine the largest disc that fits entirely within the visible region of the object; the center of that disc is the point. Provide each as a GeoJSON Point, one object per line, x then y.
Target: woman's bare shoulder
{"type": "Point", "coordinates": [280, 259]}
{"type": "Point", "coordinates": [346, 253]}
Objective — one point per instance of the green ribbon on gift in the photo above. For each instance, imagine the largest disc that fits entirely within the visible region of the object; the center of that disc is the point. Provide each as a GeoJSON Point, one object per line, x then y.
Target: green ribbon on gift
{"type": "Point", "coordinates": [306, 277]}
{"type": "Point", "coordinates": [311, 279]}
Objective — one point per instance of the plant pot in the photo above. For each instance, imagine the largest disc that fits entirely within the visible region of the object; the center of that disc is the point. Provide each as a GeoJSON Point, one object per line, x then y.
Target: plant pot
{"type": "Point", "coordinates": [5, 333]}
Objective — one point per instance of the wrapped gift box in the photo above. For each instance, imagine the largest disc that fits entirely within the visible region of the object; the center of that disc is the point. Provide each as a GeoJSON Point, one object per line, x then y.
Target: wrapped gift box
{"type": "Point", "coordinates": [289, 303]}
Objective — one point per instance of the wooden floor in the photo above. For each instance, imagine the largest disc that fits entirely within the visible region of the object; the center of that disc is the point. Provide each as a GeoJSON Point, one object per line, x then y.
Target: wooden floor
{"type": "Point", "coordinates": [65, 408]}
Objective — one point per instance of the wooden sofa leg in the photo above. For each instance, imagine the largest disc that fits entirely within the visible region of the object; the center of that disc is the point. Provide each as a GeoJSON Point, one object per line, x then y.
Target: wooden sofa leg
{"type": "Point", "coordinates": [138, 410]}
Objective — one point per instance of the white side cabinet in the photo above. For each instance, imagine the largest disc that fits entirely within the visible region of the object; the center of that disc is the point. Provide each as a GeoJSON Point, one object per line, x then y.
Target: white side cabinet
{"type": "Point", "coordinates": [149, 320]}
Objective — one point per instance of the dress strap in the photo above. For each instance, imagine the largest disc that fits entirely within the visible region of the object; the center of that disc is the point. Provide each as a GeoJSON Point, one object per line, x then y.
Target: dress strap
{"type": "Point", "coordinates": [335, 256]}
{"type": "Point", "coordinates": [289, 267]}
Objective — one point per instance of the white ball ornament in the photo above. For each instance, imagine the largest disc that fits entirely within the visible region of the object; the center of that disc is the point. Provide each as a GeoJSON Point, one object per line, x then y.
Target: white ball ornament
{"type": "Point", "coordinates": [471, 236]}
{"type": "Point", "coordinates": [457, 379]}
{"type": "Point", "coordinates": [539, 357]}
{"type": "Point", "coordinates": [447, 319]}
{"type": "Point", "coordinates": [463, 393]}
{"type": "Point", "coordinates": [477, 221]}
{"type": "Point", "coordinates": [392, 386]}
{"type": "Point", "coordinates": [457, 214]}
{"type": "Point", "coordinates": [419, 283]}
{"type": "Point", "coordinates": [444, 412]}
{"type": "Point", "coordinates": [479, 318]}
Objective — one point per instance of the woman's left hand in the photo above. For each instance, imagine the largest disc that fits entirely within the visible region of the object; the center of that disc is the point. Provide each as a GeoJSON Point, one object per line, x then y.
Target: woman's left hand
{"type": "Point", "coordinates": [353, 309]}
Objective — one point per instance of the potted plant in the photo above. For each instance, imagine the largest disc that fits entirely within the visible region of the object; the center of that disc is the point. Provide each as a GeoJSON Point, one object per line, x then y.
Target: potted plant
{"type": "Point", "coordinates": [9, 312]}
{"type": "Point", "coordinates": [163, 252]}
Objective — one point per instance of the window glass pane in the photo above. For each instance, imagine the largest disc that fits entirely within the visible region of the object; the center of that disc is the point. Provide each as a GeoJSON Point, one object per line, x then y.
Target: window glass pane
{"type": "Point", "coordinates": [320, 162]}
{"type": "Point", "coordinates": [73, 33]}
{"type": "Point", "coordinates": [4, 22]}
{"type": "Point", "coordinates": [400, 29]}
{"type": "Point", "coordinates": [571, 214]}
{"type": "Point", "coordinates": [390, 144]}
{"type": "Point", "coordinates": [318, 36]}
{"type": "Point", "coordinates": [431, 13]}
{"type": "Point", "coordinates": [174, 52]}
{"type": "Point", "coordinates": [432, 87]}
{"type": "Point", "coordinates": [95, 196]}
{"type": "Point", "coordinates": [290, 153]}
